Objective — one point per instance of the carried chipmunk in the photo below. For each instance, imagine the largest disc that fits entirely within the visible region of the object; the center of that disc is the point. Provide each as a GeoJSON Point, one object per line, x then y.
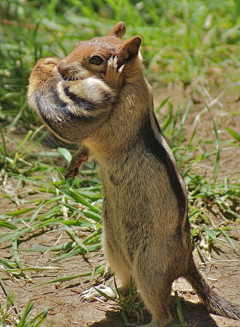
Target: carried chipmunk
{"type": "Point", "coordinates": [98, 96]}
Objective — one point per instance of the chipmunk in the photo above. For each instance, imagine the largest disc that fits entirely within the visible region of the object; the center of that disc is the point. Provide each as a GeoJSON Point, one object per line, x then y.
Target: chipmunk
{"type": "Point", "coordinates": [107, 104]}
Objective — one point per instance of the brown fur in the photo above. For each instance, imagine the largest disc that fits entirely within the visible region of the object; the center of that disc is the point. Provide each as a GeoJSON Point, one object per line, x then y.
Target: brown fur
{"type": "Point", "coordinates": [146, 229]}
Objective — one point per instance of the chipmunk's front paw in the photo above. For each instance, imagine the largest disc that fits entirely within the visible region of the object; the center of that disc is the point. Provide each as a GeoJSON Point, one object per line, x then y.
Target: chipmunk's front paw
{"type": "Point", "coordinates": [77, 160]}
{"type": "Point", "coordinates": [99, 293]}
{"type": "Point", "coordinates": [113, 75]}
{"type": "Point", "coordinates": [71, 173]}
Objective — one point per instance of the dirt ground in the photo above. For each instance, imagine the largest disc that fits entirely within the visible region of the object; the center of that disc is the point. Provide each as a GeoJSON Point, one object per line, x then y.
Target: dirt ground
{"type": "Point", "coordinates": [222, 271]}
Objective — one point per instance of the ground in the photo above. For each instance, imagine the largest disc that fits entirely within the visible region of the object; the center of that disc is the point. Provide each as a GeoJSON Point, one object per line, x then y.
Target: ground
{"type": "Point", "coordinates": [221, 270]}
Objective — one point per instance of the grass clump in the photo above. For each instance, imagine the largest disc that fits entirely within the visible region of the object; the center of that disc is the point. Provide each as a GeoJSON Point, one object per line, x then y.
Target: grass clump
{"type": "Point", "coordinates": [11, 315]}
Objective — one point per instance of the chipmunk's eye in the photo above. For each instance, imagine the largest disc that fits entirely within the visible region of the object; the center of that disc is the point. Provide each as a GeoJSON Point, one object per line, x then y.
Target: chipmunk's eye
{"type": "Point", "coordinates": [96, 60]}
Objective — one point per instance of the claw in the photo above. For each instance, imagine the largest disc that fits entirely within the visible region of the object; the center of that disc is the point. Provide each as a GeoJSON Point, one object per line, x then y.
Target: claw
{"type": "Point", "coordinates": [113, 75]}
{"type": "Point", "coordinates": [121, 68]}
{"type": "Point", "coordinates": [115, 61]}
{"type": "Point", "coordinates": [110, 60]}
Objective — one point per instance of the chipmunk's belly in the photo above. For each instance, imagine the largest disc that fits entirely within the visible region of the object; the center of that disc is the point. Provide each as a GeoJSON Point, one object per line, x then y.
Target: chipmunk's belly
{"type": "Point", "coordinates": [140, 209]}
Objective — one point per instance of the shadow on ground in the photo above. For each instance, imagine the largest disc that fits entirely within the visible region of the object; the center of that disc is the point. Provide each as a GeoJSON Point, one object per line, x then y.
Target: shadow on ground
{"type": "Point", "coordinates": [195, 315]}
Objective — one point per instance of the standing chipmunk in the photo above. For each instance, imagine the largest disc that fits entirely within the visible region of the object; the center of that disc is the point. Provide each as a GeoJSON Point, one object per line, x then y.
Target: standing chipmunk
{"type": "Point", "coordinates": [107, 104]}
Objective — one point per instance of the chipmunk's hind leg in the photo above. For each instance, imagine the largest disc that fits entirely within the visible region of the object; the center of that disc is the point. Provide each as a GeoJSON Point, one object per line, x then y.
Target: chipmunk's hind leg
{"type": "Point", "coordinates": [154, 286]}
{"type": "Point", "coordinates": [156, 298]}
{"type": "Point", "coordinates": [119, 265]}
{"type": "Point", "coordinates": [123, 274]}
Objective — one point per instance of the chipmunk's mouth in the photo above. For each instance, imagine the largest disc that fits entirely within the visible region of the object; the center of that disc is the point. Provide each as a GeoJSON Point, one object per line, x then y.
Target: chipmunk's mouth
{"type": "Point", "coordinates": [75, 75]}
{"type": "Point", "coordinates": [69, 79]}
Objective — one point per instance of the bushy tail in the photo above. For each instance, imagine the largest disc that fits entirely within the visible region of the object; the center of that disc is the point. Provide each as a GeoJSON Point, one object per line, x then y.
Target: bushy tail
{"type": "Point", "coordinates": [213, 302]}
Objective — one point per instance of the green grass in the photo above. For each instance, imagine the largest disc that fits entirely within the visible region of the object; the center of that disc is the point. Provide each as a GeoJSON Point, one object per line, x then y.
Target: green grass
{"type": "Point", "coordinates": [185, 43]}
{"type": "Point", "coordinates": [11, 315]}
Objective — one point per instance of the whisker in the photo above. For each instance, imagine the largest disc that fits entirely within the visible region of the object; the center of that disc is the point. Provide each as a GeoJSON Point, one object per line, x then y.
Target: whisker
{"type": "Point", "coordinates": [59, 55]}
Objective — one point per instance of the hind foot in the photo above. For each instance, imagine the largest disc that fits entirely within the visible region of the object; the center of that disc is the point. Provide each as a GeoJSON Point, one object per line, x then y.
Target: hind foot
{"type": "Point", "coordinates": [98, 293]}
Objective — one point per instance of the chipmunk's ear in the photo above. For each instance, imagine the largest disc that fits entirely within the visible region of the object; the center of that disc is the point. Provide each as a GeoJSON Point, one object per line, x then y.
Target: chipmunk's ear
{"type": "Point", "coordinates": [118, 30]}
{"type": "Point", "coordinates": [129, 50]}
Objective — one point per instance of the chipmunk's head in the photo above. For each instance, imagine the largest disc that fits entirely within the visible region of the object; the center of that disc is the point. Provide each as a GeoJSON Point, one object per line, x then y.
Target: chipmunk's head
{"type": "Point", "coordinates": [89, 58]}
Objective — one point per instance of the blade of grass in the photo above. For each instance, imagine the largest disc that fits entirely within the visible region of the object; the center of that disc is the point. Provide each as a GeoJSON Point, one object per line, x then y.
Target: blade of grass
{"type": "Point", "coordinates": [234, 134]}
{"type": "Point", "coordinates": [74, 237]}
{"type": "Point", "coordinates": [162, 104]}
{"type": "Point", "coordinates": [216, 165]}
{"type": "Point", "coordinates": [97, 271]}
{"type": "Point", "coordinates": [9, 296]}
{"type": "Point", "coordinates": [78, 198]}
{"type": "Point", "coordinates": [179, 310]}
{"type": "Point", "coordinates": [16, 254]}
